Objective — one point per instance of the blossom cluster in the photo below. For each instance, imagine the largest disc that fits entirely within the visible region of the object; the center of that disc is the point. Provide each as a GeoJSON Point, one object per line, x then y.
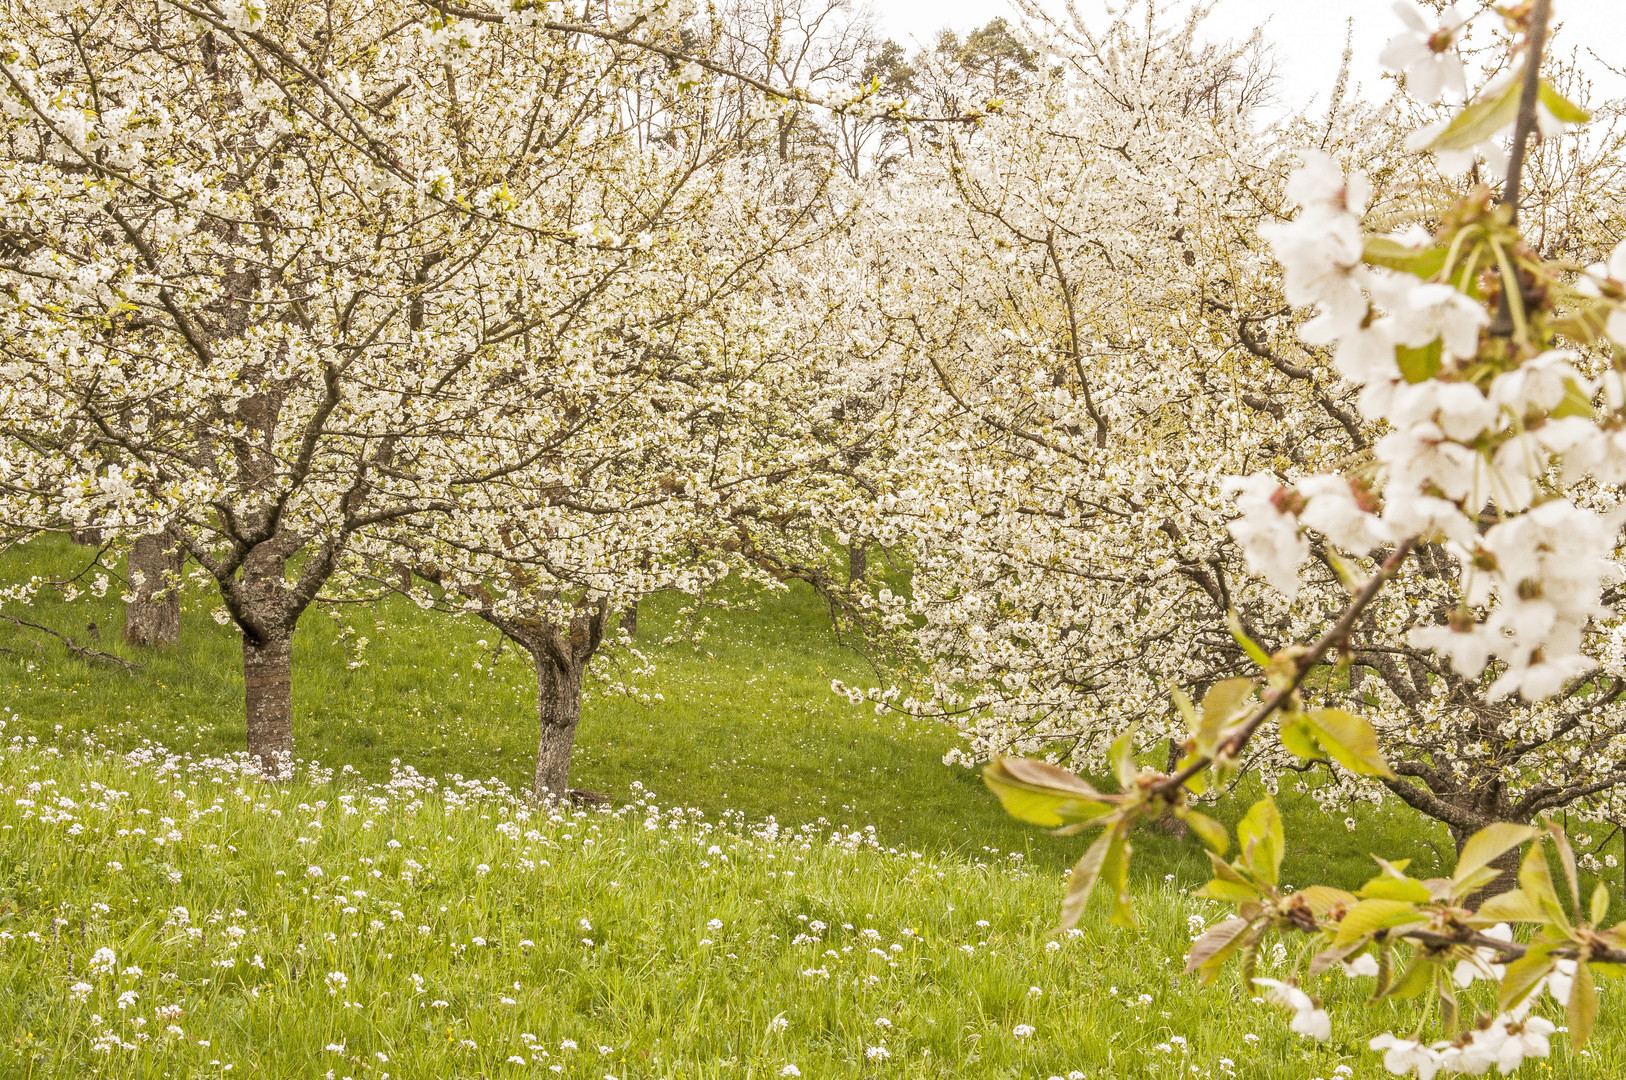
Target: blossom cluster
{"type": "Point", "coordinates": [1492, 443]}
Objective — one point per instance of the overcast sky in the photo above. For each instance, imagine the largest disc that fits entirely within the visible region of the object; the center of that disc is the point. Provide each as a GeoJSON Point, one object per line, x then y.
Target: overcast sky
{"type": "Point", "coordinates": [1309, 33]}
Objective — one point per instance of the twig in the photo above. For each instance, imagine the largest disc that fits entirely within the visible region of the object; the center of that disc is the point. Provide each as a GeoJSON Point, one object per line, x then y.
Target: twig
{"type": "Point", "coordinates": [84, 652]}
{"type": "Point", "coordinates": [1275, 699]}
{"type": "Point", "coordinates": [1523, 126]}
{"type": "Point", "coordinates": [1509, 951]}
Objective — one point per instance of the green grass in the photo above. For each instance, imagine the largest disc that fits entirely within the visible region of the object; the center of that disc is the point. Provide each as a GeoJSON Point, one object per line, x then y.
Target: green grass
{"type": "Point", "coordinates": [468, 929]}
{"type": "Point", "coordinates": [746, 730]}
{"type": "Point", "coordinates": [747, 722]}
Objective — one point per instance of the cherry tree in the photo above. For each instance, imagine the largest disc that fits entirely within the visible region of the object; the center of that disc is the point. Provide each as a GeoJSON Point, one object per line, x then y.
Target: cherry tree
{"type": "Point", "coordinates": [1078, 286]}
{"type": "Point", "coordinates": [1493, 377]}
{"type": "Point", "coordinates": [1104, 332]}
{"type": "Point", "coordinates": [700, 472]}
{"type": "Point", "coordinates": [672, 429]}
{"type": "Point", "coordinates": [270, 269]}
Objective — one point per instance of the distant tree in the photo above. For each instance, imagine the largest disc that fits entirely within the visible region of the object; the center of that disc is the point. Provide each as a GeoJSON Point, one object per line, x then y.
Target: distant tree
{"type": "Point", "coordinates": [993, 52]}
{"type": "Point", "coordinates": [864, 141]}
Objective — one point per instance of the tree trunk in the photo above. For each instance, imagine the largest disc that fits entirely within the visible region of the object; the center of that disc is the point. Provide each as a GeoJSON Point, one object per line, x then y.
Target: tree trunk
{"type": "Point", "coordinates": [559, 708]}
{"type": "Point", "coordinates": [268, 665]}
{"type": "Point", "coordinates": [153, 617]}
{"type": "Point", "coordinates": [629, 619]}
{"type": "Point", "coordinates": [87, 537]}
{"type": "Point", "coordinates": [268, 701]}
{"type": "Point", "coordinates": [857, 561]}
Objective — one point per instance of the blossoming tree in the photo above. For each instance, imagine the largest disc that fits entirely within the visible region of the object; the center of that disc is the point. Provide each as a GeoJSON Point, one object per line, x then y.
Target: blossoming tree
{"type": "Point", "coordinates": [267, 271]}
{"type": "Point", "coordinates": [1103, 329]}
{"type": "Point", "coordinates": [1494, 376]}
{"type": "Point", "coordinates": [671, 429]}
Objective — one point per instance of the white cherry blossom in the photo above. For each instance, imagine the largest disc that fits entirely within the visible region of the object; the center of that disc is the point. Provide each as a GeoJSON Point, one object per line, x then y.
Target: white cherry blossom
{"type": "Point", "coordinates": [1401, 1056]}
{"type": "Point", "coordinates": [1426, 52]}
{"type": "Point", "coordinates": [1269, 535]}
{"type": "Point", "coordinates": [1309, 1018]}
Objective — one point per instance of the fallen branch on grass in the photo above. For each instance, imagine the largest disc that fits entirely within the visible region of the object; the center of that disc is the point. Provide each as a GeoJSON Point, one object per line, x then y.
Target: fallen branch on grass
{"type": "Point", "coordinates": [84, 652]}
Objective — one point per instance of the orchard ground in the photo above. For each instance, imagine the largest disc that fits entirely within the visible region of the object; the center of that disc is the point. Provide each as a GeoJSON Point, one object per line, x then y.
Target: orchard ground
{"type": "Point", "coordinates": [931, 958]}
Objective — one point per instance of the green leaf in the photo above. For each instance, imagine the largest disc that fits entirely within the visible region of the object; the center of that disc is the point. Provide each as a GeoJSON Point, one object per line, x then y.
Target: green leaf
{"type": "Point", "coordinates": [1323, 899]}
{"type": "Point", "coordinates": [1262, 841]}
{"type": "Point", "coordinates": [1122, 756]}
{"type": "Point", "coordinates": [1225, 701]}
{"type": "Point", "coordinates": [1512, 906]}
{"type": "Point", "coordinates": [1082, 880]}
{"type": "Point", "coordinates": [1183, 703]}
{"type": "Point", "coordinates": [1298, 737]}
{"type": "Point", "coordinates": [1350, 575]}
{"type": "Point", "coordinates": [1228, 885]}
{"type": "Point", "coordinates": [1213, 948]}
{"type": "Point", "coordinates": [1213, 834]}
{"type": "Point", "coordinates": [1386, 968]}
{"type": "Point", "coordinates": [1489, 844]}
{"type": "Point", "coordinates": [1423, 262]}
{"type": "Point", "coordinates": [1566, 860]}
{"type": "Point", "coordinates": [1249, 646]}
{"type": "Point", "coordinates": [1450, 1012]}
{"type": "Point", "coordinates": [1536, 881]}
{"type": "Point", "coordinates": [1575, 402]}
{"type": "Point", "coordinates": [1385, 887]}
{"type": "Point", "coordinates": [1351, 741]}
{"type": "Point", "coordinates": [1583, 1008]}
{"type": "Point", "coordinates": [1370, 916]}
{"type": "Point", "coordinates": [1115, 872]}
{"type": "Point", "coordinates": [1043, 794]}
{"type": "Point", "coordinates": [1417, 980]}
{"type": "Point", "coordinates": [1197, 782]}
{"type": "Point", "coordinates": [1561, 107]}
{"type": "Point", "coordinates": [1229, 892]}
{"type": "Point", "coordinates": [1326, 958]}
{"type": "Point", "coordinates": [1481, 120]}
{"type": "Point", "coordinates": [1419, 365]}
{"type": "Point", "coordinates": [1522, 976]}
{"type": "Point", "coordinates": [1473, 882]}
{"type": "Point", "coordinates": [1600, 903]}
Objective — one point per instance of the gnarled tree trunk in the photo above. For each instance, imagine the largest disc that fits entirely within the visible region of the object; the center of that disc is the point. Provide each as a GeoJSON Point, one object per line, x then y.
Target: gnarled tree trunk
{"type": "Point", "coordinates": [629, 619]}
{"type": "Point", "coordinates": [559, 709]}
{"type": "Point", "coordinates": [153, 617]}
{"type": "Point", "coordinates": [857, 561]}
{"type": "Point", "coordinates": [561, 655]}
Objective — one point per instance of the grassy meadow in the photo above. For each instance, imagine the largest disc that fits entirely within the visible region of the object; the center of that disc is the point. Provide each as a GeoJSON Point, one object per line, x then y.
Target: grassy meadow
{"type": "Point", "coordinates": [785, 884]}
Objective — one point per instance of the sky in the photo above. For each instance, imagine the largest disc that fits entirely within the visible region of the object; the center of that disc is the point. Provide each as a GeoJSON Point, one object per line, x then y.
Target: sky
{"type": "Point", "coordinates": [1309, 33]}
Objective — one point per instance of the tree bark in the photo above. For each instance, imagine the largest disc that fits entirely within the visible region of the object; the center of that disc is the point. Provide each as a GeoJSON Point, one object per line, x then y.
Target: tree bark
{"type": "Point", "coordinates": [857, 561]}
{"type": "Point", "coordinates": [88, 537]}
{"type": "Point", "coordinates": [153, 617]}
{"type": "Point", "coordinates": [559, 708]}
{"type": "Point", "coordinates": [268, 654]}
{"type": "Point", "coordinates": [268, 701]}
{"type": "Point", "coordinates": [561, 655]}
{"type": "Point", "coordinates": [629, 619]}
